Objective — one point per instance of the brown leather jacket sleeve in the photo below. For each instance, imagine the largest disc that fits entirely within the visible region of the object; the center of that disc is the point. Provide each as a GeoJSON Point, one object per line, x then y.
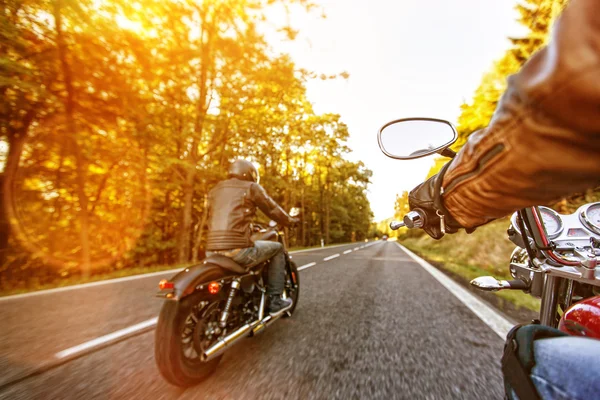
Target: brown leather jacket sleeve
{"type": "Point", "coordinates": [543, 142]}
{"type": "Point", "coordinates": [267, 205]}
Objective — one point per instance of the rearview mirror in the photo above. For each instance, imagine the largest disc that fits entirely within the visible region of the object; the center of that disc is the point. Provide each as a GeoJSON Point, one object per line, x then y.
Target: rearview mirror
{"type": "Point", "coordinates": [410, 138]}
{"type": "Point", "coordinates": [295, 211]}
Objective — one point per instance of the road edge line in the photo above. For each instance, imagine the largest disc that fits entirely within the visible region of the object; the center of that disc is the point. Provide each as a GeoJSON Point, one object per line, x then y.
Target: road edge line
{"type": "Point", "coordinates": [107, 339]}
{"type": "Point", "coordinates": [124, 279]}
{"type": "Point", "coordinates": [57, 362]}
{"type": "Point", "coordinates": [487, 314]}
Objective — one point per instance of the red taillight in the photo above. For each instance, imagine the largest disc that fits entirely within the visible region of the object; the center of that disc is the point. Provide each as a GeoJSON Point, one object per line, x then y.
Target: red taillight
{"type": "Point", "coordinates": [214, 287]}
{"type": "Point", "coordinates": [165, 284]}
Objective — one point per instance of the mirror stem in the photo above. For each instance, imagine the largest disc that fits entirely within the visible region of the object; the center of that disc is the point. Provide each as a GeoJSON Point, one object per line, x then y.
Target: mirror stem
{"type": "Point", "coordinates": [447, 153]}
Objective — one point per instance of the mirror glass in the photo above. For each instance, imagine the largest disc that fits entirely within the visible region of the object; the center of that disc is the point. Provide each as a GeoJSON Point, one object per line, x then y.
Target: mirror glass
{"type": "Point", "coordinates": [295, 211]}
{"type": "Point", "coordinates": [413, 138]}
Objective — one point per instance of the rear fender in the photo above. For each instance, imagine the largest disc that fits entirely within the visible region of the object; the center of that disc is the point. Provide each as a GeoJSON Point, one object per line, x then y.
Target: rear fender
{"type": "Point", "coordinates": [195, 278]}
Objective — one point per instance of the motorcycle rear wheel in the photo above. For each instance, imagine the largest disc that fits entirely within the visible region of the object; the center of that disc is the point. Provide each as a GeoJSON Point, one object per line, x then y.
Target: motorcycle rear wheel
{"type": "Point", "coordinates": [173, 350]}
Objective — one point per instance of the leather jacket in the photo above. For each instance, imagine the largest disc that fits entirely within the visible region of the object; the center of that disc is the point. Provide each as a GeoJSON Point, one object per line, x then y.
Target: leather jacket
{"type": "Point", "coordinates": [232, 207]}
{"type": "Point", "coordinates": [543, 142]}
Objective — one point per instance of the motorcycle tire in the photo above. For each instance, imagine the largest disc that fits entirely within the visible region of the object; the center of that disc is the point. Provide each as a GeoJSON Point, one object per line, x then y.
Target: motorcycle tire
{"type": "Point", "coordinates": [173, 365]}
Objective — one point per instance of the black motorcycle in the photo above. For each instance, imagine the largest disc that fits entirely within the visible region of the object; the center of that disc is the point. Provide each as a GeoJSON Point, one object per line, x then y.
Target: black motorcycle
{"type": "Point", "coordinates": [213, 305]}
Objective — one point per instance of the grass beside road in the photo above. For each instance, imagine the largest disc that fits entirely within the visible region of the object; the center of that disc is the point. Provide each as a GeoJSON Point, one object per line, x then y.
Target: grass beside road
{"type": "Point", "coordinates": [484, 252]}
{"type": "Point", "coordinates": [77, 280]}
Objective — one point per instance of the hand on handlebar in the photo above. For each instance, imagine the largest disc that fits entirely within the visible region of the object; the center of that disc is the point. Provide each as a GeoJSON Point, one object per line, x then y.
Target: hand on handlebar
{"type": "Point", "coordinates": [427, 198]}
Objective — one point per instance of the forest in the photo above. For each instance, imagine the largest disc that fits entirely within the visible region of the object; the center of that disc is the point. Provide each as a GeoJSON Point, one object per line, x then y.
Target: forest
{"type": "Point", "coordinates": [117, 117]}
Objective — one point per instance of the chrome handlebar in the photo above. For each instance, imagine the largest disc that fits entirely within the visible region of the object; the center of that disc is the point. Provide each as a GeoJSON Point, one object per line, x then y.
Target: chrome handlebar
{"type": "Point", "coordinates": [414, 219]}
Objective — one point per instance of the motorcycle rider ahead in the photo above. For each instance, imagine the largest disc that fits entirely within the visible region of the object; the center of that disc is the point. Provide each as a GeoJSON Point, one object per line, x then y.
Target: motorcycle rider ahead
{"type": "Point", "coordinates": [232, 206]}
{"type": "Point", "coordinates": [543, 143]}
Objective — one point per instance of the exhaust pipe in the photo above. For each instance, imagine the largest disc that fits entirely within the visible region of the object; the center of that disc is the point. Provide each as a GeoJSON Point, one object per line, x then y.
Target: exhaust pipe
{"type": "Point", "coordinates": [268, 320]}
{"type": "Point", "coordinates": [224, 343]}
{"type": "Point", "coordinates": [256, 327]}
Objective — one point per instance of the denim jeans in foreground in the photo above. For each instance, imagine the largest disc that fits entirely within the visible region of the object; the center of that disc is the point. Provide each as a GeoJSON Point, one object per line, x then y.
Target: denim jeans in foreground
{"type": "Point", "coordinates": [567, 368]}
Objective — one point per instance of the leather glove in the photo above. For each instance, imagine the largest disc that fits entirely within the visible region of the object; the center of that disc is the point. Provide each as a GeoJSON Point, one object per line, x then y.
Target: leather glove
{"type": "Point", "coordinates": [427, 197]}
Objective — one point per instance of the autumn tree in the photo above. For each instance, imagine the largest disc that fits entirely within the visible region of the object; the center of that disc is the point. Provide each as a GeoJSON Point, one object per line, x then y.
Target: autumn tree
{"type": "Point", "coordinates": [118, 117]}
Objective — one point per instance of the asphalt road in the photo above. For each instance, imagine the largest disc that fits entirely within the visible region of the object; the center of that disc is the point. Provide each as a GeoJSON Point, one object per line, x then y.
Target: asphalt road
{"type": "Point", "coordinates": [371, 323]}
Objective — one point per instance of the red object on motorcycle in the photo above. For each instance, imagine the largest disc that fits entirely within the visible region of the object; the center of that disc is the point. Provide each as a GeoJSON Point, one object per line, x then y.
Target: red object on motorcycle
{"type": "Point", "coordinates": [165, 284]}
{"type": "Point", "coordinates": [214, 287]}
{"type": "Point", "coordinates": [582, 319]}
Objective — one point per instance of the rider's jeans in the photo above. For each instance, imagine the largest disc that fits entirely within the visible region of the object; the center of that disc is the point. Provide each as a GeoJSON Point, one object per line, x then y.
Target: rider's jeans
{"type": "Point", "coordinates": [567, 368]}
{"type": "Point", "coordinates": [262, 251]}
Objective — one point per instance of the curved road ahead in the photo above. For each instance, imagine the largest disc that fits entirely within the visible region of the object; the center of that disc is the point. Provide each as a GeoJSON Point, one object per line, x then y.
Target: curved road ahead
{"type": "Point", "coordinates": [371, 323]}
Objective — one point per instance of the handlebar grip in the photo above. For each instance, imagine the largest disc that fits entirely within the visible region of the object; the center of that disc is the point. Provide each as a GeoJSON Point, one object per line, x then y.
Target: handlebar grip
{"type": "Point", "coordinates": [415, 219]}
{"type": "Point", "coordinates": [394, 225]}
{"type": "Point", "coordinates": [517, 284]}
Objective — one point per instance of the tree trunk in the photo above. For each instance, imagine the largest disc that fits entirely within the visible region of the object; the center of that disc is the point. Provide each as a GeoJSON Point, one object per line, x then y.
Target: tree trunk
{"type": "Point", "coordinates": [303, 215]}
{"type": "Point", "coordinates": [327, 208]}
{"type": "Point", "coordinates": [200, 230]}
{"type": "Point", "coordinates": [81, 165]}
{"type": "Point", "coordinates": [183, 252]}
{"type": "Point", "coordinates": [4, 224]}
{"type": "Point", "coordinates": [16, 142]}
{"type": "Point", "coordinates": [57, 212]}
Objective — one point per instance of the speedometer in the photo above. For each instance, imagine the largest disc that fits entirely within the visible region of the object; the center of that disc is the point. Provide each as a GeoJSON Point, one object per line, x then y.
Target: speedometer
{"type": "Point", "coordinates": [552, 222]}
{"type": "Point", "coordinates": [590, 217]}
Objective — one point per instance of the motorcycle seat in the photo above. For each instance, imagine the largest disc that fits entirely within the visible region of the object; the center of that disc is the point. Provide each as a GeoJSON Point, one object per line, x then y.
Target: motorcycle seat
{"type": "Point", "coordinates": [268, 235]}
{"type": "Point", "coordinates": [225, 263]}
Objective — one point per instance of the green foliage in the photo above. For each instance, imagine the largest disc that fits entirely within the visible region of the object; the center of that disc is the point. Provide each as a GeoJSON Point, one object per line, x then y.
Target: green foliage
{"type": "Point", "coordinates": [119, 116]}
{"type": "Point", "coordinates": [537, 16]}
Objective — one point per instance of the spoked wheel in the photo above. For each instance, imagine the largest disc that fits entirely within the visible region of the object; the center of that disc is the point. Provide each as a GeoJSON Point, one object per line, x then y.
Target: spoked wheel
{"type": "Point", "coordinates": [292, 287]}
{"type": "Point", "coordinates": [184, 330]}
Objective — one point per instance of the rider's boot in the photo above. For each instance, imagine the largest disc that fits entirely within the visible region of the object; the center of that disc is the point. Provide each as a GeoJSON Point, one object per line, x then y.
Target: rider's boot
{"type": "Point", "coordinates": [276, 303]}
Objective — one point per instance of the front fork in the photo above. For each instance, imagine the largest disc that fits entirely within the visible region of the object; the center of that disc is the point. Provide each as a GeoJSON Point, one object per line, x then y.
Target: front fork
{"type": "Point", "coordinates": [558, 293]}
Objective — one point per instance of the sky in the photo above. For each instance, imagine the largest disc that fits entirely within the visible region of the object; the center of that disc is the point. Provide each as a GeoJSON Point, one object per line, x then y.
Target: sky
{"type": "Point", "coordinates": [406, 58]}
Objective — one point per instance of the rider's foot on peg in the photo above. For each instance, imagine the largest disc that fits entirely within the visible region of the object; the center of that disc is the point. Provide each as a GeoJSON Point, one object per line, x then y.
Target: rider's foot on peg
{"type": "Point", "coordinates": [276, 303]}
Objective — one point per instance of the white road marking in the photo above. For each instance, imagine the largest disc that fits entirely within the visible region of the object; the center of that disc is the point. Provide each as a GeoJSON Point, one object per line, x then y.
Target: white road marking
{"type": "Point", "coordinates": [106, 339]}
{"type": "Point", "coordinates": [488, 315]}
{"type": "Point", "coordinates": [348, 251]}
{"type": "Point", "coordinates": [319, 248]}
{"type": "Point", "coordinates": [91, 284]}
{"type": "Point", "coordinates": [356, 249]}
{"type": "Point", "coordinates": [131, 330]}
{"type": "Point", "coordinates": [312, 264]}
{"type": "Point", "coordinates": [124, 279]}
